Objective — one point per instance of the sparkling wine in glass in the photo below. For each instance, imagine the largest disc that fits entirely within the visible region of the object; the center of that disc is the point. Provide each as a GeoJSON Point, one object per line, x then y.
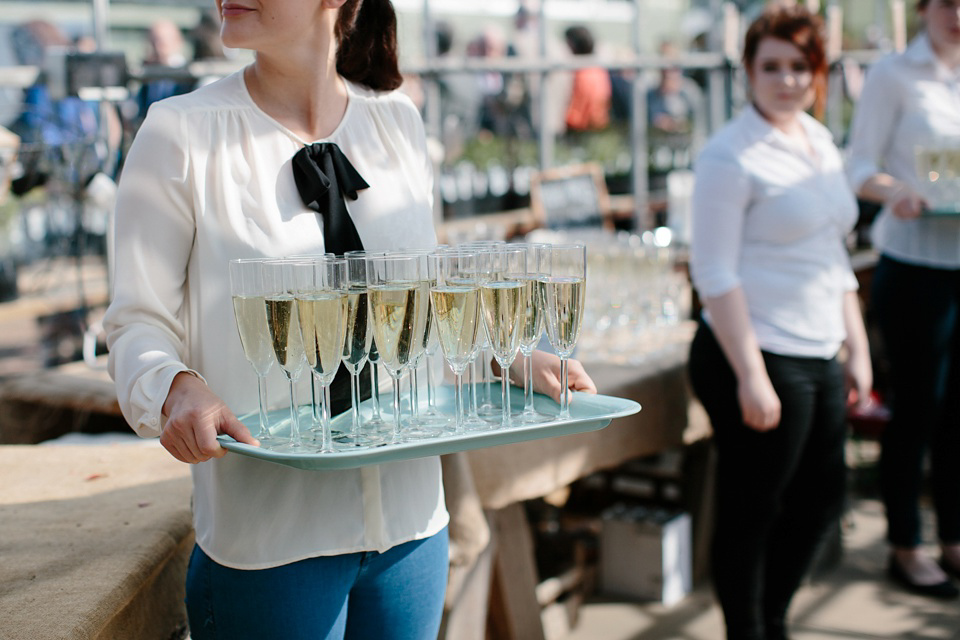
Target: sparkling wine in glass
{"type": "Point", "coordinates": [249, 310]}
{"type": "Point", "coordinates": [358, 340]}
{"type": "Point", "coordinates": [563, 289]}
{"type": "Point", "coordinates": [396, 303]}
{"type": "Point", "coordinates": [322, 311]}
{"type": "Point", "coordinates": [456, 311]}
{"type": "Point", "coordinates": [284, 329]}
{"type": "Point", "coordinates": [532, 328]}
{"type": "Point", "coordinates": [502, 308]}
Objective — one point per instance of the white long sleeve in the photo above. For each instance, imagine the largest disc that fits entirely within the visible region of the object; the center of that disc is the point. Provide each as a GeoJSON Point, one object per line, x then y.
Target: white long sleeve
{"type": "Point", "coordinates": [209, 179]}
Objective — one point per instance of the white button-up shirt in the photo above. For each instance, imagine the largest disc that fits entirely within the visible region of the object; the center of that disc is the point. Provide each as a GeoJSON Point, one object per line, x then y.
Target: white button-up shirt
{"type": "Point", "coordinates": [908, 99]}
{"type": "Point", "coordinates": [771, 218]}
{"type": "Point", "coordinates": [209, 179]}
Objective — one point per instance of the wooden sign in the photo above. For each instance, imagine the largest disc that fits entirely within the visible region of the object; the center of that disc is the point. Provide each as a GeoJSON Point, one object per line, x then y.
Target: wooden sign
{"type": "Point", "coordinates": [572, 196]}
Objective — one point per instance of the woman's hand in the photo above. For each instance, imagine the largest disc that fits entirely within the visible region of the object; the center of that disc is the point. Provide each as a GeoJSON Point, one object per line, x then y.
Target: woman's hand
{"type": "Point", "coordinates": [546, 375]}
{"type": "Point", "coordinates": [858, 373]}
{"type": "Point", "coordinates": [195, 415]}
{"type": "Point", "coordinates": [759, 402]}
{"type": "Point", "coordinates": [905, 203]}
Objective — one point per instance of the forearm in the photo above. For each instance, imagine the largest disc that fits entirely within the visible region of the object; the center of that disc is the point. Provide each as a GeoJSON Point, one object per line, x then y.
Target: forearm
{"type": "Point", "coordinates": [880, 188]}
{"type": "Point", "coordinates": [730, 322]}
{"type": "Point", "coordinates": [856, 341]}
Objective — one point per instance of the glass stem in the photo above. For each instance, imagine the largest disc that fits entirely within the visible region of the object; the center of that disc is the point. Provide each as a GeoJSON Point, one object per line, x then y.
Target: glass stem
{"type": "Point", "coordinates": [487, 375]}
{"type": "Point", "coordinates": [564, 401]}
{"type": "Point", "coordinates": [294, 415]}
{"type": "Point", "coordinates": [458, 395]}
{"type": "Point", "coordinates": [431, 399]}
{"type": "Point", "coordinates": [414, 397]}
{"type": "Point", "coordinates": [355, 402]}
{"type": "Point", "coordinates": [528, 383]}
{"type": "Point", "coordinates": [314, 402]}
{"type": "Point", "coordinates": [264, 420]}
{"type": "Point", "coordinates": [375, 391]}
{"type": "Point", "coordinates": [473, 388]}
{"type": "Point", "coordinates": [396, 410]}
{"type": "Point", "coordinates": [505, 385]}
{"type": "Point", "coordinates": [327, 445]}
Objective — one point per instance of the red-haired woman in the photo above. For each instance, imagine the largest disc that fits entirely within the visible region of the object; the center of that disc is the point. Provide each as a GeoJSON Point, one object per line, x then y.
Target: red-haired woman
{"type": "Point", "coordinates": [252, 166]}
{"type": "Point", "coordinates": [771, 210]}
{"type": "Point", "coordinates": [913, 99]}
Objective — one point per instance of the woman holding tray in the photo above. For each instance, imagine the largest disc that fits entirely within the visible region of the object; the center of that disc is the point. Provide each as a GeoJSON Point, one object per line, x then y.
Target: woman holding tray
{"type": "Point", "coordinates": [232, 171]}
{"type": "Point", "coordinates": [771, 209]}
{"type": "Point", "coordinates": [911, 101]}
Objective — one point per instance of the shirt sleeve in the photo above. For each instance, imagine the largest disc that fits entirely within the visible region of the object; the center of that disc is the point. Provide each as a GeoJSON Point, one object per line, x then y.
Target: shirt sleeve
{"type": "Point", "coordinates": [154, 230]}
{"type": "Point", "coordinates": [721, 194]}
{"type": "Point", "coordinates": [871, 131]}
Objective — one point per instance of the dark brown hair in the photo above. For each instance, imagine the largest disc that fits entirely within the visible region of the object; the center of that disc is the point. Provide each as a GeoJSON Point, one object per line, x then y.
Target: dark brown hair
{"type": "Point", "coordinates": [799, 27]}
{"type": "Point", "coordinates": [366, 32]}
{"type": "Point", "coordinates": [922, 4]}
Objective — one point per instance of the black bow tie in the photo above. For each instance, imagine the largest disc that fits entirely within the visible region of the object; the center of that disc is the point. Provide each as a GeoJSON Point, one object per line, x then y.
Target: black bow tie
{"type": "Point", "coordinates": [324, 176]}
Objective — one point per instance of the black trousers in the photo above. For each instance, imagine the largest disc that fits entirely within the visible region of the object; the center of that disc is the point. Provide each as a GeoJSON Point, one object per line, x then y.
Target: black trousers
{"type": "Point", "coordinates": [918, 311]}
{"type": "Point", "coordinates": [779, 491]}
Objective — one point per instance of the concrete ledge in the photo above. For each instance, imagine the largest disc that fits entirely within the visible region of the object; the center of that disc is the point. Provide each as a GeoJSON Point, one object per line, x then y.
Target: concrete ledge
{"type": "Point", "coordinates": [95, 542]}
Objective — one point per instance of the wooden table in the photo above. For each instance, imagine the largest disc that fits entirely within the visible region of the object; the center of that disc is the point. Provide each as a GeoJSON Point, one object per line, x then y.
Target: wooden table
{"type": "Point", "coordinates": [504, 572]}
{"type": "Point", "coordinates": [485, 486]}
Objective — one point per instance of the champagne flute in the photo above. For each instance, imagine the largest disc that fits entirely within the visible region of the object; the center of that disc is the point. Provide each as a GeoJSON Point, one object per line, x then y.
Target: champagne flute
{"type": "Point", "coordinates": [563, 289]}
{"type": "Point", "coordinates": [456, 305]}
{"type": "Point", "coordinates": [485, 268]}
{"type": "Point", "coordinates": [249, 310]}
{"type": "Point", "coordinates": [359, 337]}
{"type": "Point", "coordinates": [314, 402]}
{"type": "Point", "coordinates": [502, 308]}
{"type": "Point", "coordinates": [285, 337]}
{"type": "Point", "coordinates": [532, 327]}
{"type": "Point", "coordinates": [396, 303]}
{"type": "Point", "coordinates": [322, 311]}
{"type": "Point", "coordinates": [415, 428]}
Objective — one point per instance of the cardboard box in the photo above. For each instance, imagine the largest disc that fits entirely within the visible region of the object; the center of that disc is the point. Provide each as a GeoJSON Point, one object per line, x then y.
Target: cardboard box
{"type": "Point", "coordinates": [645, 553]}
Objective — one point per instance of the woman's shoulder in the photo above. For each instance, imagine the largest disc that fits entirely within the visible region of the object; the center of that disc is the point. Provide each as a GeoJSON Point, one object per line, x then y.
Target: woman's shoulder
{"type": "Point", "coordinates": [727, 144]}
{"type": "Point", "coordinates": [392, 105]}
{"type": "Point", "coordinates": [222, 94]}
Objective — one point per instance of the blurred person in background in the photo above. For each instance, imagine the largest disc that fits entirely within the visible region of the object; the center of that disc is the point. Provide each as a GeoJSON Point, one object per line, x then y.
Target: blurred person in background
{"type": "Point", "coordinates": [911, 100]}
{"type": "Point", "coordinates": [589, 106]}
{"type": "Point", "coordinates": [771, 211]}
{"type": "Point", "coordinates": [165, 48]}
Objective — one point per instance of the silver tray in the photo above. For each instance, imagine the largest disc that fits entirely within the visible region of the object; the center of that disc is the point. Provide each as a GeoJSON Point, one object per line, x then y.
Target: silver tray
{"type": "Point", "coordinates": [588, 412]}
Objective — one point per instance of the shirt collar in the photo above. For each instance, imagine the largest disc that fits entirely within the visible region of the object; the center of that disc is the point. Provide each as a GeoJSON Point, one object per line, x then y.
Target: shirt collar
{"type": "Point", "coordinates": [759, 128]}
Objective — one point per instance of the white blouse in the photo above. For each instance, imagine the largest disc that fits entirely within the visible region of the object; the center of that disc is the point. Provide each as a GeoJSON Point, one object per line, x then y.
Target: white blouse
{"type": "Point", "coordinates": [772, 219]}
{"type": "Point", "coordinates": [908, 99]}
{"type": "Point", "coordinates": [208, 179]}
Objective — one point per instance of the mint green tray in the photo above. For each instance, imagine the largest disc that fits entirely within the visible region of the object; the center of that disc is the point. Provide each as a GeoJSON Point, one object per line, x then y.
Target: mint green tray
{"type": "Point", "coordinates": [588, 412]}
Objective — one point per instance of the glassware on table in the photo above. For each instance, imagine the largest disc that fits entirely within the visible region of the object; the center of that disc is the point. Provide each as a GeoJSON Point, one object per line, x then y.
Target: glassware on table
{"type": "Point", "coordinates": [456, 310]}
{"type": "Point", "coordinates": [502, 309]}
{"type": "Point", "coordinates": [322, 311]}
{"type": "Point", "coordinates": [397, 305]}
{"type": "Point", "coordinates": [563, 289]}
{"type": "Point", "coordinates": [284, 329]}
{"type": "Point", "coordinates": [358, 340]}
{"type": "Point", "coordinates": [249, 309]}
{"type": "Point", "coordinates": [532, 328]}
{"type": "Point", "coordinates": [484, 409]}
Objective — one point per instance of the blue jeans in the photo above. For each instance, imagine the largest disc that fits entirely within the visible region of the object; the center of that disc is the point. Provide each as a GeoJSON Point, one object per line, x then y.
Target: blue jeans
{"type": "Point", "coordinates": [397, 594]}
{"type": "Point", "coordinates": [918, 312]}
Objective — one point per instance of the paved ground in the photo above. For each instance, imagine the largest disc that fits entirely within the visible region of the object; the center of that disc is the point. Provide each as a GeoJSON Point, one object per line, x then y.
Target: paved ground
{"type": "Point", "coordinates": [853, 601]}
